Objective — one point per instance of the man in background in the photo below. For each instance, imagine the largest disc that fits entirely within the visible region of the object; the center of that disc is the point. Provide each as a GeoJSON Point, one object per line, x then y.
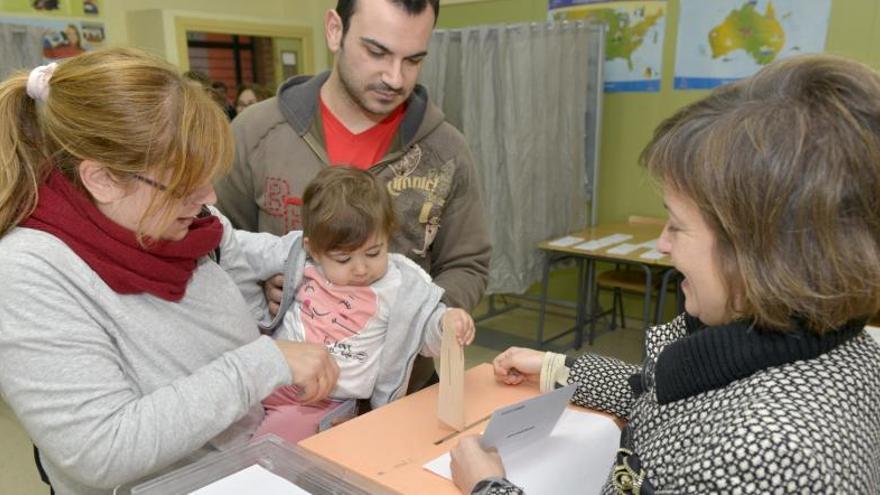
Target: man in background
{"type": "Point", "coordinates": [368, 112]}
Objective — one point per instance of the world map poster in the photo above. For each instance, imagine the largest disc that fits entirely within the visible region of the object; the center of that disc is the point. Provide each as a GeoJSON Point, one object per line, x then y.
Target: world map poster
{"type": "Point", "coordinates": [633, 39]}
{"type": "Point", "coordinates": [720, 41]}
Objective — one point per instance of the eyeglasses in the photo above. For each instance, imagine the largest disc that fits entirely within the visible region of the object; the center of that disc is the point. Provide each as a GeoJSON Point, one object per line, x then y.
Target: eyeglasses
{"type": "Point", "coordinates": [163, 188]}
{"type": "Point", "coordinates": [150, 182]}
{"type": "Point", "coordinates": [198, 194]}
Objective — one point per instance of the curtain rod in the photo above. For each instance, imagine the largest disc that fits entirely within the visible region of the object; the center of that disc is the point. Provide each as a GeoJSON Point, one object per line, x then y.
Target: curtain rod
{"type": "Point", "coordinates": [564, 24]}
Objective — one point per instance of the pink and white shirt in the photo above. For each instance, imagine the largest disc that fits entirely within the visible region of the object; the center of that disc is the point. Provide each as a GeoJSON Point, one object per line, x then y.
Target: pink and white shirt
{"type": "Point", "coordinates": [351, 321]}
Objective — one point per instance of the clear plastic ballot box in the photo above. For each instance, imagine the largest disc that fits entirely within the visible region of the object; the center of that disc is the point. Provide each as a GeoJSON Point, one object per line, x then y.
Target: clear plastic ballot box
{"type": "Point", "coordinates": [267, 466]}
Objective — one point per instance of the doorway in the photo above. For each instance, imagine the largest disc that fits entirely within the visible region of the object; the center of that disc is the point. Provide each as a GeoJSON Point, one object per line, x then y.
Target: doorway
{"type": "Point", "coordinates": [239, 53]}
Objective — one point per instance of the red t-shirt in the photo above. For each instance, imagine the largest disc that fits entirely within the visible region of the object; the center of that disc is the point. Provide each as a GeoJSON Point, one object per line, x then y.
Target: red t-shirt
{"type": "Point", "coordinates": [361, 150]}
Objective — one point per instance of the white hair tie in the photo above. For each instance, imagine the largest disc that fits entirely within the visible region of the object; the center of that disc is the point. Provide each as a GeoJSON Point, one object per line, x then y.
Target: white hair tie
{"type": "Point", "coordinates": [38, 81]}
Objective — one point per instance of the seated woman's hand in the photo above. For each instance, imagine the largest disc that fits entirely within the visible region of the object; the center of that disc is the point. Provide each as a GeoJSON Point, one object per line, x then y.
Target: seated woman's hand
{"type": "Point", "coordinates": [470, 464]}
{"type": "Point", "coordinates": [314, 370]}
{"type": "Point", "coordinates": [517, 364]}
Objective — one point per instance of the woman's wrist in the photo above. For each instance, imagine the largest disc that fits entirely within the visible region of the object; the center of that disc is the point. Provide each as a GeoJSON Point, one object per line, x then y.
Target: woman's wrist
{"type": "Point", "coordinates": [553, 371]}
{"type": "Point", "coordinates": [484, 485]}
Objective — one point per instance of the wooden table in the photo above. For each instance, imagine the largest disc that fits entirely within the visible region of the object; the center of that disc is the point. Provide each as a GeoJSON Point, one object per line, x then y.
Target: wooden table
{"type": "Point", "coordinates": [586, 259]}
{"type": "Point", "coordinates": [389, 445]}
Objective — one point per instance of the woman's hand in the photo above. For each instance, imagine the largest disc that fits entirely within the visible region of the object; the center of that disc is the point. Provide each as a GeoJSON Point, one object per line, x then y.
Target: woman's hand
{"type": "Point", "coordinates": [516, 365]}
{"type": "Point", "coordinates": [470, 464]}
{"type": "Point", "coordinates": [273, 289]}
{"type": "Point", "coordinates": [314, 370]}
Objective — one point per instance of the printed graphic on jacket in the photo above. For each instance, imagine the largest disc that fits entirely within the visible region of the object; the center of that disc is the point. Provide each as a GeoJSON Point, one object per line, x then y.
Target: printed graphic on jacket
{"type": "Point", "coordinates": [331, 314]}
{"type": "Point", "coordinates": [421, 194]}
{"type": "Point", "coordinates": [278, 202]}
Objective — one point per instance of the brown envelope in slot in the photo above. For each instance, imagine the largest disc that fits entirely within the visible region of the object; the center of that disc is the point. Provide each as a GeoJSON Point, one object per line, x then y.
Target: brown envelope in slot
{"type": "Point", "coordinates": [450, 404]}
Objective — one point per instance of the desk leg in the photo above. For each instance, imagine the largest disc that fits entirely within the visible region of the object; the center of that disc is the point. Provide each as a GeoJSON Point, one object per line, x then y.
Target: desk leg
{"type": "Point", "coordinates": [542, 308]}
{"type": "Point", "coordinates": [592, 297]}
{"type": "Point", "coordinates": [585, 300]}
{"type": "Point", "coordinates": [646, 311]}
{"type": "Point", "coordinates": [661, 297]}
{"type": "Point", "coordinates": [580, 314]}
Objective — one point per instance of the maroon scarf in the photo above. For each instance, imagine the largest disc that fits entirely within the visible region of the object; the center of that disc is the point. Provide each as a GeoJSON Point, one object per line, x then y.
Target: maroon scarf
{"type": "Point", "coordinates": [163, 268]}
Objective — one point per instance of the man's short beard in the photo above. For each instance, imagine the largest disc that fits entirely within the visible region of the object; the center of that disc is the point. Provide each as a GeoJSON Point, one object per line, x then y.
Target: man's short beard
{"type": "Point", "coordinates": [351, 89]}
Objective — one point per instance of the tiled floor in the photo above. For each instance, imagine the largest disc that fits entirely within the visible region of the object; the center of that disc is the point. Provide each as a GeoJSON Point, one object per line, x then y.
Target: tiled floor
{"type": "Point", "coordinates": [18, 475]}
{"type": "Point", "coordinates": [518, 327]}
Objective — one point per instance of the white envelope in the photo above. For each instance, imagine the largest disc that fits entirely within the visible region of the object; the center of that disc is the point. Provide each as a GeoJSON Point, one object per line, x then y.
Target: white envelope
{"type": "Point", "coordinates": [526, 422]}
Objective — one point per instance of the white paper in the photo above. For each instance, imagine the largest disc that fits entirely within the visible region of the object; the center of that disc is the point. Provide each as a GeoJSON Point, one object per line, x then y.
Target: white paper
{"type": "Point", "coordinates": [566, 241]}
{"type": "Point", "coordinates": [253, 479]}
{"type": "Point", "coordinates": [288, 58]}
{"type": "Point", "coordinates": [624, 248]}
{"type": "Point", "coordinates": [652, 255]}
{"type": "Point", "coordinates": [649, 244]}
{"type": "Point", "coordinates": [603, 242]}
{"type": "Point", "coordinates": [575, 458]}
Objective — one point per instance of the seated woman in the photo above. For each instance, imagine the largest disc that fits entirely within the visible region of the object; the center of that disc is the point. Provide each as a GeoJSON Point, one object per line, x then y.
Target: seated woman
{"type": "Point", "coordinates": [768, 383]}
{"type": "Point", "coordinates": [124, 347]}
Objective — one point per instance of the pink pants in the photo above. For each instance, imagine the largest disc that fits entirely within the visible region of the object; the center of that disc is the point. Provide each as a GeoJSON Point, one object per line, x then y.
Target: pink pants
{"type": "Point", "coordinates": [291, 420]}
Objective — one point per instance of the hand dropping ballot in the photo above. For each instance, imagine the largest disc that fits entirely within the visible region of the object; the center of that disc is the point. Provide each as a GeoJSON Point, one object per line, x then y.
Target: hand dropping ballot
{"type": "Point", "coordinates": [546, 448]}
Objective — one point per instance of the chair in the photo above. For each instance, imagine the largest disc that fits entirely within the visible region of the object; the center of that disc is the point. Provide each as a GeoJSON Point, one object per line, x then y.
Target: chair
{"type": "Point", "coordinates": [628, 278]}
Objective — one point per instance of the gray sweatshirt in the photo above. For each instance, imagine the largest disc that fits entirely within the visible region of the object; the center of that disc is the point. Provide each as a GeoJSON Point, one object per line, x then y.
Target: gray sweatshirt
{"type": "Point", "coordinates": [111, 387]}
{"type": "Point", "coordinates": [413, 321]}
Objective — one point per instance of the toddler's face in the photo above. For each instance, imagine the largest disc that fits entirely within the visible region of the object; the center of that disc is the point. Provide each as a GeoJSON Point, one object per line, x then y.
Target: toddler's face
{"type": "Point", "coordinates": [360, 267]}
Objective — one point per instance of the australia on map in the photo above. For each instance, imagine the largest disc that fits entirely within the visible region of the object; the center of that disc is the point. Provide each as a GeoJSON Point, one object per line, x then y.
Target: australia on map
{"type": "Point", "coordinates": [759, 35]}
{"type": "Point", "coordinates": [720, 41]}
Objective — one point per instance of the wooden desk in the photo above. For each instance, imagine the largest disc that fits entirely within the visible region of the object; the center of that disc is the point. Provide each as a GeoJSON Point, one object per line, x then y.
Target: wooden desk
{"type": "Point", "coordinates": [586, 284]}
{"type": "Point", "coordinates": [390, 445]}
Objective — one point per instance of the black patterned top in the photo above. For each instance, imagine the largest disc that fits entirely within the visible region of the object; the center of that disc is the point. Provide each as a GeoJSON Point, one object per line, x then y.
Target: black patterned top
{"type": "Point", "coordinates": [732, 409]}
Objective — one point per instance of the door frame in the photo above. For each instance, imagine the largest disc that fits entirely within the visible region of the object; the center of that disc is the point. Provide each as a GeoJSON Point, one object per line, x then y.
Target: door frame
{"type": "Point", "coordinates": [184, 24]}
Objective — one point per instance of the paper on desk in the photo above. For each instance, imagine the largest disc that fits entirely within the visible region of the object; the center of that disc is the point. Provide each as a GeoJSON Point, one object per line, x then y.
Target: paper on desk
{"type": "Point", "coordinates": [649, 244]}
{"type": "Point", "coordinates": [603, 242]}
{"type": "Point", "coordinates": [566, 241]}
{"type": "Point", "coordinates": [624, 248]}
{"type": "Point", "coordinates": [575, 458]}
{"type": "Point", "coordinates": [253, 479]}
{"type": "Point", "coordinates": [450, 402]}
{"type": "Point", "coordinates": [652, 255]}
{"type": "Point", "coordinates": [523, 423]}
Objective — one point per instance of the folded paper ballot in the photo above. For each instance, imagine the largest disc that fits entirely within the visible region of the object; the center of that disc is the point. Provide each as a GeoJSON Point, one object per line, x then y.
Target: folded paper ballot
{"type": "Point", "coordinates": [566, 241]}
{"type": "Point", "coordinates": [575, 458]}
{"type": "Point", "coordinates": [649, 244]}
{"type": "Point", "coordinates": [652, 255]}
{"type": "Point", "coordinates": [524, 423]}
{"type": "Point", "coordinates": [603, 242]}
{"type": "Point", "coordinates": [624, 248]}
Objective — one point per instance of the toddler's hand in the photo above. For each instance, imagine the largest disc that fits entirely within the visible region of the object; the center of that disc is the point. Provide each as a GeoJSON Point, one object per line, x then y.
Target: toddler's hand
{"type": "Point", "coordinates": [461, 322]}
